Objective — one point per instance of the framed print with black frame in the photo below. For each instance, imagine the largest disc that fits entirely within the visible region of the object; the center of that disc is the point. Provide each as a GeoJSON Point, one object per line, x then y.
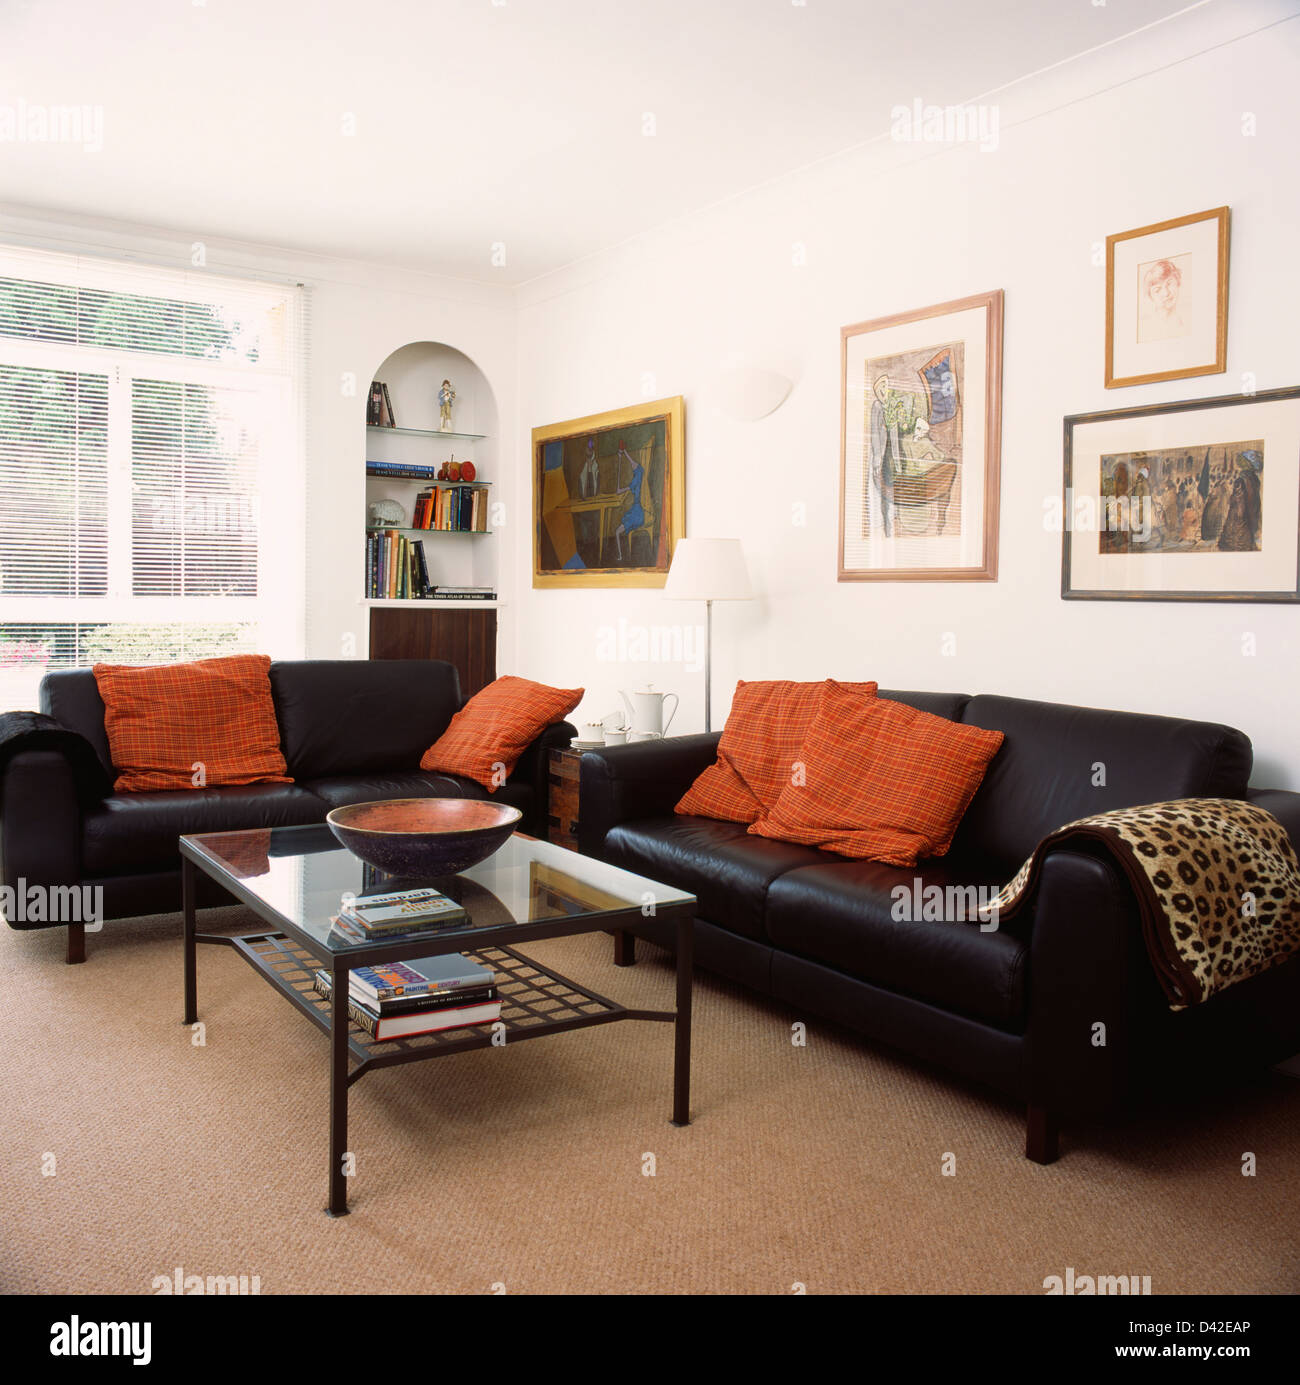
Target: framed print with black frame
{"type": "Point", "coordinates": [1193, 501]}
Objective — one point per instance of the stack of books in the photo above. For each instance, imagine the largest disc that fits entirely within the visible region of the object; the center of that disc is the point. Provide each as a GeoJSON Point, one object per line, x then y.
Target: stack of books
{"type": "Point", "coordinates": [398, 1000]}
{"type": "Point", "coordinates": [373, 917]}
{"type": "Point", "coordinates": [399, 471]}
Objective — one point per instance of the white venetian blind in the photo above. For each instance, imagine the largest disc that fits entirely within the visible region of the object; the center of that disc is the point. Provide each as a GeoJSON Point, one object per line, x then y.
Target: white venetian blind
{"type": "Point", "coordinates": [151, 465]}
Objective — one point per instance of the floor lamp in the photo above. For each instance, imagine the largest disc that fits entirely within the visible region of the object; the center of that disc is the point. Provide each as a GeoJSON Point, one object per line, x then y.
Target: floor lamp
{"type": "Point", "coordinates": [708, 570]}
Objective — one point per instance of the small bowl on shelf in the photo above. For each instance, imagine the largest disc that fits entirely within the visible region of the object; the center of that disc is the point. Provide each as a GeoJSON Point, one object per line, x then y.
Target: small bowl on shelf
{"type": "Point", "coordinates": [424, 837]}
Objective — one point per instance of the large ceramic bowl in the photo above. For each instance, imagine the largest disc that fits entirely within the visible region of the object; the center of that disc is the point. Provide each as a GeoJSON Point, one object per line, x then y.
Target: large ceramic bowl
{"type": "Point", "coordinates": [423, 836]}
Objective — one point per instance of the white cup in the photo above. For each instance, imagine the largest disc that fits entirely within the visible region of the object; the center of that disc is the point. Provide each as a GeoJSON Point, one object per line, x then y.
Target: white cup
{"type": "Point", "coordinates": [615, 737]}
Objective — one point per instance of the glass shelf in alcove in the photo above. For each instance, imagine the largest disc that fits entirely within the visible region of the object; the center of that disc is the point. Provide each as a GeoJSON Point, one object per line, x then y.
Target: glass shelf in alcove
{"type": "Point", "coordinates": [422, 480]}
{"type": "Point", "coordinates": [425, 433]}
{"type": "Point", "coordinates": [406, 529]}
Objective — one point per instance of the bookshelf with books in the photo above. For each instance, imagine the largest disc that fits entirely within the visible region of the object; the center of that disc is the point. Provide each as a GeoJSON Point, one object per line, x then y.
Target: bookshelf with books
{"type": "Point", "coordinates": [428, 545]}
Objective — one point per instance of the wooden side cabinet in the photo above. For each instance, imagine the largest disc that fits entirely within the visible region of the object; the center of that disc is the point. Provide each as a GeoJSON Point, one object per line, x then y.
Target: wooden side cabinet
{"type": "Point", "coordinates": [466, 638]}
{"type": "Point", "coordinates": [562, 808]}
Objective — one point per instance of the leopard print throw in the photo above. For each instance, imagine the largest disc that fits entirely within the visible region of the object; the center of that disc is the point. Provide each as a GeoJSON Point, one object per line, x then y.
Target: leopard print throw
{"type": "Point", "coordinates": [1217, 883]}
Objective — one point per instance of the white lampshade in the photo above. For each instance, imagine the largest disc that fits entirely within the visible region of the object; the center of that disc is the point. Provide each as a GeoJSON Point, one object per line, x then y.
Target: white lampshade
{"type": "Point", "coordinates": [708, 570]}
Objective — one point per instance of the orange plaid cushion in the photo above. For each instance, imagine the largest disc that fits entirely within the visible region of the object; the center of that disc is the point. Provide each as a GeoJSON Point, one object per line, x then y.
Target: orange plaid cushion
{"type": "Point", "coordinates": [493, 729]}
{"type": "Point", "coordinates": [881, 781]}
{"type": "Point", "coordinates": [185, 726]}
{"type": "Point", "coordinates": [757, 750]}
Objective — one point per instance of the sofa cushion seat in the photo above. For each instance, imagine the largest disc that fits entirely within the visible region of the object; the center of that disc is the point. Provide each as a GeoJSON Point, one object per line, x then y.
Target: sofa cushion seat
{"type": "Point", "coordinates": [842, 916]}
{"type": "Point", "coordinates": [726, 869]}
{"type": "Point", "coordinates": [339, 790]}
{"type": "Point", "coordinates": [138, 831]}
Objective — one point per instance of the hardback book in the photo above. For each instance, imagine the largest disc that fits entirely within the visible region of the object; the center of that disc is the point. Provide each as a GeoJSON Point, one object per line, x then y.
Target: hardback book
{"type": "Point", "coordinates": [402, 908]}
{"type": "Point", "coordinates": [388, 406]}
{"type": "Point", "coordinates": [422, 565]}
{"type": "Point", "coordinates": [405, 1004]}
{"type": "Point", "coordinates": [452, 972]}
{"type": "Point", "coordinates": [413, 1022]}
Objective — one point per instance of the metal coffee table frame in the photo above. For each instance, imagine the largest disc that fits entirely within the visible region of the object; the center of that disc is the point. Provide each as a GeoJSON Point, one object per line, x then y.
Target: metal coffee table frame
{"type": "Point", "coordinates": [535, 1000]}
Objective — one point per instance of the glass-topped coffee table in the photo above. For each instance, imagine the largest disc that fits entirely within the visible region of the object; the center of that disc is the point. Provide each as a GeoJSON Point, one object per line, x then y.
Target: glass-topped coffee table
{"type": "Point", "coordinates": [296, 878]}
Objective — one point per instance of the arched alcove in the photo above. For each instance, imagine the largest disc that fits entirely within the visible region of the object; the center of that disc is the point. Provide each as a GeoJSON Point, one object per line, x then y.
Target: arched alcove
{"type": "Point", "coordinates": [413, 624]}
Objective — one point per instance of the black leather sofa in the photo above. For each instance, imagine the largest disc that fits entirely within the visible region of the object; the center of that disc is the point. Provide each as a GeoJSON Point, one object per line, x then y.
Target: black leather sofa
{"type": "Point", "coordinates": [351, 731]}
{"type": "Point", "coordinates": [1015, 1008]}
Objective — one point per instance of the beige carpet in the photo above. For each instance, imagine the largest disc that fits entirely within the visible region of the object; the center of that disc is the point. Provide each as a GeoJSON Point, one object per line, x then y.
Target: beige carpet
{"type": "Point", "coordinates": [522, 1167]}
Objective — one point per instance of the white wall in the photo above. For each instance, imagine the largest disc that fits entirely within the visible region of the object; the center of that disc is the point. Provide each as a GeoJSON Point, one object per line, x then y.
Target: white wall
{"type": "Point", "coordinates": [897, 227]}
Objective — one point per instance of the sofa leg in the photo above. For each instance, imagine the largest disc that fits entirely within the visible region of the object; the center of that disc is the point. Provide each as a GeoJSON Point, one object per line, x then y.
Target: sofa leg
{"type": "Point", "coordinates": [1042, 1143]}
{"type": "Point", "coordinates": [76, 943]}
{"type": "Point", "coordinates": [624, 948]}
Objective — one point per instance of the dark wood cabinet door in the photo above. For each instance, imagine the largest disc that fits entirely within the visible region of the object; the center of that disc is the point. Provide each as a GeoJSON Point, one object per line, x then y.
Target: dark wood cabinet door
{"type": "Point", "coordinates": [467, 639]}
{"type": "Point", "coordinates": [562, 809]}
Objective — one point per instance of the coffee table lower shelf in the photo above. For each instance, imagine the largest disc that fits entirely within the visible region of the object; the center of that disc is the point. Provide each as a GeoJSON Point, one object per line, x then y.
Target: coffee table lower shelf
{"type": "Point", "coordinates": [534, 1001]}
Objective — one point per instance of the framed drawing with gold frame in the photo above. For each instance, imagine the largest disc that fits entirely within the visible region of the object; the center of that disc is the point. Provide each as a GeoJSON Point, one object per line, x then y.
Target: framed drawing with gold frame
{"type": "Point", "coordinates": [1167, 300]}
{"type": "Point", "coordinates": [609, 497]}
{"type": "Point", "coordinates": [920, 443]}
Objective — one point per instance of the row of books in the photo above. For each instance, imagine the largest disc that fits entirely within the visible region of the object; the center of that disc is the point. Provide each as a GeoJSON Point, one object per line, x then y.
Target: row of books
{"type": "Point", "coordinates": [395, 566]}
{"type": "Point", "coordinates": [457, 509]}
{"type": "Point", "coordinates": [379, 407]}
{"type": "Point", "coordinates": [398, 567]}
{"type": "Point", "coordinates": [398, 1000]}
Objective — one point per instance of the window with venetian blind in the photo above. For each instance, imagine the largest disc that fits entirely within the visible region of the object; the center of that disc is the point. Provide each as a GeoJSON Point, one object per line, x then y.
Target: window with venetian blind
{"type": "Point", "coordinates": [151, 477]}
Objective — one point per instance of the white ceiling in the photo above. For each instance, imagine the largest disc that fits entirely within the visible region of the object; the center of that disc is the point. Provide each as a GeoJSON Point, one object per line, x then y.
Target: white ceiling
{"type": "Point", "coordinates": [480, 122]}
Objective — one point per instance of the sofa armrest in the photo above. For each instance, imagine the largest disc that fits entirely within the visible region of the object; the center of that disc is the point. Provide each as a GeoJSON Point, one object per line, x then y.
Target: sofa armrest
{"type": "Point", "coordinates": [1285, 807]}
{"type": "Point", "coordinates": [1088, 966]}
{"type": "Point", "coordinates": [40, 824]}
{"type": "Point", "coordinates": [533, 768]}
{"type": "Point", "coordinates": [23, 733]}
{"type": "Point", "coordinates": [642, 780]}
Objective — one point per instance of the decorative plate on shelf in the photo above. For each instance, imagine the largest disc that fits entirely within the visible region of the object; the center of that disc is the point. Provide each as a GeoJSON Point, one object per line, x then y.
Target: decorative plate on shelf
{"type": "Point", "coordinates": [385, 514]}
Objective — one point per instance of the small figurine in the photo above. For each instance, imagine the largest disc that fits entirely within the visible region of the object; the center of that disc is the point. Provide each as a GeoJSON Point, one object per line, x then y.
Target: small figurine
{"type": "Point", "coordinates": [446, 398]}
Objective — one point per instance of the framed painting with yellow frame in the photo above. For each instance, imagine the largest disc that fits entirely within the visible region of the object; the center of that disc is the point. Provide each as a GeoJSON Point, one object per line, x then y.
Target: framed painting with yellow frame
{"type": "Point", "coordinates": [1167, 300]}
{"type": "Point", "coordinates": [609, 497]}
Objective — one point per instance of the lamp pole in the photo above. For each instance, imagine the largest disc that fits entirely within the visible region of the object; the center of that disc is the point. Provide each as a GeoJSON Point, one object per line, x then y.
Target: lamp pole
{"type": "Point", "coordinates": [708, 666]}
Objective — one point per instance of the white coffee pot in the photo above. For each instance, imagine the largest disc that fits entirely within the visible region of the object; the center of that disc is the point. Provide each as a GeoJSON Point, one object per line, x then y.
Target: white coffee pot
{"type": "Point", "coordinates": [645, 709]}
